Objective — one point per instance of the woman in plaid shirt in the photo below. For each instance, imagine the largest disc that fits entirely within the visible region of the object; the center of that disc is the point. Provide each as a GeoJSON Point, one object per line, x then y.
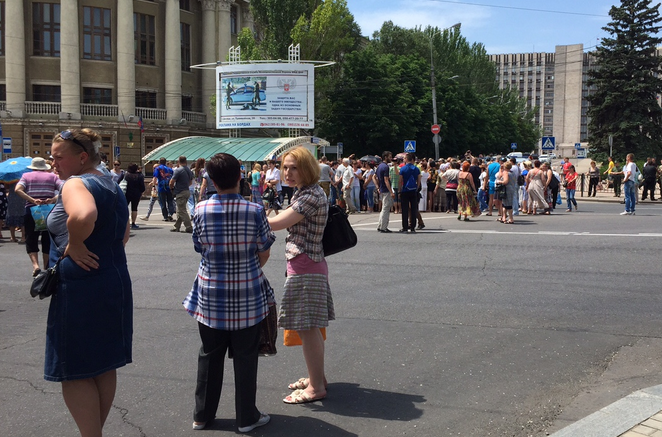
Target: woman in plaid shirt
{"type": "Point", "coordinates": [307, 304]}
{"type": "Point", "coordinates": [230, 294]}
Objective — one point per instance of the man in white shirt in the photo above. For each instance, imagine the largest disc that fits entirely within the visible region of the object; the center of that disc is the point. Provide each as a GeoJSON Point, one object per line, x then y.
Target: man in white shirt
{"type": "Point", "coordinates": [347, 182]}
{"type": "Point", "coordinates": [272, 179]}
{"type": "Point", "coordinates": [629, 184]}
{"type": "Point", "coordinates": [340, 171]}
{"type": "Point", "coordinates": [325, 175]}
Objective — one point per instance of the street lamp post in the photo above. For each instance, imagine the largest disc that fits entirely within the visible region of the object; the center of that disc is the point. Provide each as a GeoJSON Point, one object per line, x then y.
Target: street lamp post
{"type": "Point", "coordinates": [434, 92]}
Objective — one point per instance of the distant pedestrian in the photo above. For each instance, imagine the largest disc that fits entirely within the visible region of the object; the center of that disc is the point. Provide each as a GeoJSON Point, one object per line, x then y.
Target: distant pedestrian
{"type": "Point", "coordinates": [161, 179]}
{"type": "Point", "coordinates": [629, 185]}
{"type": "Point", "coordinates": [180, 182]}
{"type": "Point", "coordinates": [650, 175]}
{"type": "Point", "coordinates": [410, 181]}
{"type": "Point", "coordinates": [570, 183]}
{"type": "Point", "coordinates": [386, 193]}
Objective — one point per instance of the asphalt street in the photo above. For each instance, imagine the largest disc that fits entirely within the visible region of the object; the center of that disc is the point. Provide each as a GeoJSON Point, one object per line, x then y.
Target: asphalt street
{"type": "Point", "coordinates": [463, 329]}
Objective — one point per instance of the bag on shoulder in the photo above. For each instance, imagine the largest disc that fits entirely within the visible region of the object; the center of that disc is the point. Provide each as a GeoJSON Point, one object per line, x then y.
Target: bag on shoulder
{"type": "Point", "coordinates": [521, 180]}
{"type": "Point", "coordinates": [338, 232]}
{"type": "Point", "coordinates": [122, 185]}
{"type": "Point", "coordinates": [45, 283]}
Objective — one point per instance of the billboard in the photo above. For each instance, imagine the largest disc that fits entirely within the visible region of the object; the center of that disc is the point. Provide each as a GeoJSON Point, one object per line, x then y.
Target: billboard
{"type": "Point", "coordinates": [265, 96]}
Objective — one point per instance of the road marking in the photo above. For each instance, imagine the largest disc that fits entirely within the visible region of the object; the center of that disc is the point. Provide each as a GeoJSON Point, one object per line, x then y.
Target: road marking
{"type": "Point", "coordinates": [538, 233]}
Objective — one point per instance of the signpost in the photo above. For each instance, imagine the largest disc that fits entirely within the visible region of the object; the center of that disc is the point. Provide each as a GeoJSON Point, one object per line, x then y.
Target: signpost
{"type": "Point", "coordinates": [513, 146]}
{"type": "Point", "coordinates": [435, 129]}
{"type": "Point", "coordinates": [578, 146]}
{"type": "Point", "coordinates": [410, 146]}
{"type": "Point", "coordinates": [117, 151]}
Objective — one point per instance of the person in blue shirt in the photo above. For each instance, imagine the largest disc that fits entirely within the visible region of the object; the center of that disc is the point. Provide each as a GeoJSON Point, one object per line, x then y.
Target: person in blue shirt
{"type": "Point", "coordinates": [162, 176]}
{"type": "Point", "coordinates": [490, 181]}
{"type": "Point", "coordinates": [410, 181]}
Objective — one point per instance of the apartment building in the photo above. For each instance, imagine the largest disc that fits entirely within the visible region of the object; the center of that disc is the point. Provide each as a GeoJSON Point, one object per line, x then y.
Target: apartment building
{"type": "Point", "coordinates": [555, 83]}
{"type": "Point", "coordinates": [108, 64]}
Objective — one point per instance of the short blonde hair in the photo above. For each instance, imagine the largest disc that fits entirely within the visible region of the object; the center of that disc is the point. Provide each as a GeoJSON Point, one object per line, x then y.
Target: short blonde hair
{"type": "Point", "coordinates": [307, 165]}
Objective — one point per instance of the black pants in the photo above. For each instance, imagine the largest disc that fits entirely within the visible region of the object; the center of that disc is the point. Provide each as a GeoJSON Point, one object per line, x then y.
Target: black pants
{"type": "Point", "coordinates": [287, 192]}
{"type": "Point", "coordinates": [451, 200]}
{"type": "Point", "coordinates": [409, 203]}
{"type": "Point", "coordinates": [211, 360]}
{"type": "Point", "coordinates": [592, 185]}
{"type": "Point", "coordinates": [167, 203]}
{"type": "Point", "coordinates": [32, 236]}
{"type": "Point", "coordinates": [648, 186]}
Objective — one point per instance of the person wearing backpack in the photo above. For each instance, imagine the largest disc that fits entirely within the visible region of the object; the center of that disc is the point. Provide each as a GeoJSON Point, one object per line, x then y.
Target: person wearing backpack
{"type": "Point", "coordinates": [162, 175]}
{"type": "Point", "coordinates": [410, 180]}
{"type": "Point", "coordinates": [180, 182]}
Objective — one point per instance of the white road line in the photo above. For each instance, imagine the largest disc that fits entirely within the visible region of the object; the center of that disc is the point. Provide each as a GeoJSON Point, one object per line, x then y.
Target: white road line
{"type": "Point", "coordinates": [539, 233]}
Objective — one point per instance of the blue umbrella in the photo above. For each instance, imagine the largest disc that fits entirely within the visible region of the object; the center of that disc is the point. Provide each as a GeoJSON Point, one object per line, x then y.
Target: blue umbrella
{"type": "Point", "coordinates": [12, 169]}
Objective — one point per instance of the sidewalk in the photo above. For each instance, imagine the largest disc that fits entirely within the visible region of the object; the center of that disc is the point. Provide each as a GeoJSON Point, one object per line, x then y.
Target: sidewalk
{"type": "Point", "coordinates": [636, 415]}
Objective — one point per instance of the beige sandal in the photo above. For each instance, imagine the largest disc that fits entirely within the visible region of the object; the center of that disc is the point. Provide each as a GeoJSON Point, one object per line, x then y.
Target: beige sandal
{"type": "Point", "coordinates": [302, 384]}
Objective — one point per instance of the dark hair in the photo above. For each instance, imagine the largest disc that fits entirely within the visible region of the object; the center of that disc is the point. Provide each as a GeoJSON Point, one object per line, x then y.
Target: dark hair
{"type": "Point", "coordinates": [162, 161]}
{"type": "Point", "coordinates": [132, 168]}
{"type": "Point", "coordinates": [386, 154]}
{"type": "Point", "coordinates": [536, 163]}
{"type": "Point", "coordinates": [224, 170]}
{"type": "Point", "coordinates": [410, 156]}
{"type": "Point", "coordinates": [182, 160]}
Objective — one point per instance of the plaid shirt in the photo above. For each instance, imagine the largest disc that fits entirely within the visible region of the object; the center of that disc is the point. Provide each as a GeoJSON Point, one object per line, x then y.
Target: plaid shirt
{"type": "Point", "coordinates": [306, 235]}
{"type": "Point", "coordinates": [230, 291]}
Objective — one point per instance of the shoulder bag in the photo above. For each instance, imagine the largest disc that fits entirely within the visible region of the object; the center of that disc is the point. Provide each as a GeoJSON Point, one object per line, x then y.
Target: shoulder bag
{"type": "Point", "coordinates": [338, 232]}
{"type": "Point", "coordinates": [45, 282]}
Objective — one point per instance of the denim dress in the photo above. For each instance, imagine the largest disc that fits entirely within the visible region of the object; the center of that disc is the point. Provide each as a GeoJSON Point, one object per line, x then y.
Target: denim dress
{"type": "Point", "coordinates": [90, 318]}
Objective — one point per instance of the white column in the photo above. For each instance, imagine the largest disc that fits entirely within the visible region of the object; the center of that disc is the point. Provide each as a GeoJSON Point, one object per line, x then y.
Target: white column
{"type": "Point", "coordinates": [224, 31]}
{"type": "Point", "coordinates": [173, 62]}
{"type": "Point", "coordinates": [208, 56]}
{"type": "Point", "coordinates": [69, 61]}
{"type": "Point", "coordinates": [15, 57]}
{"type": "Point", "coordinates": [126, 68]}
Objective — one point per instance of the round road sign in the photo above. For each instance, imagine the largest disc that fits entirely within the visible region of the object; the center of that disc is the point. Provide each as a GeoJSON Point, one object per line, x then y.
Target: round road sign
{"type": "Point", "coordinates": [435, 129]}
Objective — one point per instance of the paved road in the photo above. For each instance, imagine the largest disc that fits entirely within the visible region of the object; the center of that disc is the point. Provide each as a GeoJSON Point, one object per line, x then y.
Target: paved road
{"type": "Point", "coordinates": [470, 329]}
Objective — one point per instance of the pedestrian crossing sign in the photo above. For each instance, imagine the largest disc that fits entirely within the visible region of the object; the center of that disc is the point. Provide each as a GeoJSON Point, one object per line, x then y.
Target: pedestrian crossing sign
{"type": "Point", "coordinates": [410, 146]}
{"type": "Point", "coordinates": [548, 143]}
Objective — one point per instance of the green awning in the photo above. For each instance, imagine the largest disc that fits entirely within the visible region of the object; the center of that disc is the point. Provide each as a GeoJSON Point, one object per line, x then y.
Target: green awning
{"type": "Point", "coordinates": [245, 149]}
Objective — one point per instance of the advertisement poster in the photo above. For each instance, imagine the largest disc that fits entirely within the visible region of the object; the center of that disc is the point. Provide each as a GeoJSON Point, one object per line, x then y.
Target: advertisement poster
{"type": "Point", "coordinates": [265, 96]}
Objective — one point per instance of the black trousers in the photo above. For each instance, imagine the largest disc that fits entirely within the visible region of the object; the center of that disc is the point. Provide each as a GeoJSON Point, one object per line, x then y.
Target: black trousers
{"type": "Point", "coordinates": [409, 204]}
{"type": "Point", "coordinates": [648, 186]}
{"type": "Point", "coordinates": [592, 185]}
{"type": "Point", "coordinates": [211, 360]}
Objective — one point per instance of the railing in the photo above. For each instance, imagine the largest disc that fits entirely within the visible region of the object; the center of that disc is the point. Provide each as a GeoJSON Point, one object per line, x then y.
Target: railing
{"type": "Point", "coordinates": [151, 113]}
{"type": "Point", "coordinates": [194, 117]}
{"type": "Point", "coordinates": [48, 108]}
{"type": "Point", "coordinates": [96, 110]}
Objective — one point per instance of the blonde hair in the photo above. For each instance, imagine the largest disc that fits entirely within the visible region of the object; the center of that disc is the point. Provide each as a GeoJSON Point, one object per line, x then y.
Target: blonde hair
{"type": "Point", "coordinates": [86, 139]}
{"type": "Point", "coordinates": [257, 167]}
{"type": "Point", "coordinates": [307, 165]}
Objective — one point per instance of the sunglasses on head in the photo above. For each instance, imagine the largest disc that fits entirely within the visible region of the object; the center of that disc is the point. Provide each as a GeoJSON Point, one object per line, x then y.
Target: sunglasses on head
{"type": "Point", "coordinates": [68, 136]}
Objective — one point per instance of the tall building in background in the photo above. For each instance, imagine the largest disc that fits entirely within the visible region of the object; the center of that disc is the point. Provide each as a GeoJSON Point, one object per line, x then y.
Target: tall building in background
{"type": "Point", "coordinates": [556, 84]}
{"type": "Point", "coordinates": [106, 65]}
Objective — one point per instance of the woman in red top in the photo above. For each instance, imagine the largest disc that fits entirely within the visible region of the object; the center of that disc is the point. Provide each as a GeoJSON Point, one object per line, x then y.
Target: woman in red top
{"type": "Point", "coordinates": [570, 183]}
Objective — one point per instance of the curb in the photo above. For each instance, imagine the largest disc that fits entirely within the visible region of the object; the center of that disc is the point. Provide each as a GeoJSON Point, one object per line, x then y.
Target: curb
{"type": "Point", "coordinates": [619, 417]}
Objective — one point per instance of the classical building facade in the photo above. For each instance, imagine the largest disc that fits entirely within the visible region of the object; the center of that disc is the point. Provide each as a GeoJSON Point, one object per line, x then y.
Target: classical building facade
{"type": "Point", "coordinates": [555, 83]}
{"type": "Point", "coordinates": [108, 64]}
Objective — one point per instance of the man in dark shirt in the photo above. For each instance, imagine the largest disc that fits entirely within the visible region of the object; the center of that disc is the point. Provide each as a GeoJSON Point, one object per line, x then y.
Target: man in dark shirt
{"type": "Point", "coordinates": [162, 175]}
{"type": "Point", "coordinates": [650, 176]}
{"type": "Point", "coordinates": [180, 183]}
{"type": "Point", "coordinates": [410, 181]}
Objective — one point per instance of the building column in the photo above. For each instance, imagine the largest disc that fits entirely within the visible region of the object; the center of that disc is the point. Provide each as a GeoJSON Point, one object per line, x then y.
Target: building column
{"type": "Point", "coordinates": [208, 56]}
{"type": "Point", "coordinates": [173, 62]}
{"type": "Point", "coordinates": [224, 31]}
{"type": "Point", "coordinates": [15, 58]}
{"type": "Point", "coordinates": [247, 18]}
{"type": "Point", "coordinates": [69, 61]}
{"type": "Point", "coordinates": [126, 67]}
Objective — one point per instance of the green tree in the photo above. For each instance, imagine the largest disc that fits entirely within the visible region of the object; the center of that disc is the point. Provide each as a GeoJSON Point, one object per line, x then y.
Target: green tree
{"type": "Point", "coordinates": [624, 101]}
{"type": "Point", "coordinates": [274, 21]}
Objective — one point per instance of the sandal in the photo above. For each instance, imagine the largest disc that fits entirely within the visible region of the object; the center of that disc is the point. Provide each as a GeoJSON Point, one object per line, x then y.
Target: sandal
{"type": "Point", "coordinates": [301, 397]}
{"type": "Point", "coordinates": [13, 240]}
{"type": "Point", "coordinates": [302, 384]}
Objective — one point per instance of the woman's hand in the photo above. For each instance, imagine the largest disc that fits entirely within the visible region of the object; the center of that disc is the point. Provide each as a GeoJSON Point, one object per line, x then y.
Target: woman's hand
{"type": "Point", "coordinates": [85, 259]}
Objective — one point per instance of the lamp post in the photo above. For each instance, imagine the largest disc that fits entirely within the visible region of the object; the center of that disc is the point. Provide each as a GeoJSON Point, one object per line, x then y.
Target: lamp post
{"type": "Point", "coordinates": [434, 92]}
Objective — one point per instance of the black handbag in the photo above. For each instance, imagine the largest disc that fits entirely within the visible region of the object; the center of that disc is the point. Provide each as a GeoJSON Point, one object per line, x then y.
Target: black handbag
{"type": "Point", "coordinates": [269, 333]}
{"type": "Point", "coordinates": [45, 283]}
{"type": "Point", "coordinates": [338, 233]}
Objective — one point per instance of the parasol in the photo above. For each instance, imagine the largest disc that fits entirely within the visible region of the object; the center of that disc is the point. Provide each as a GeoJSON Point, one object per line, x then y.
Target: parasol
{"type": "Point", "coordinates": [401, 155]}
{"type": "Point", "coordinates": [12, 169]}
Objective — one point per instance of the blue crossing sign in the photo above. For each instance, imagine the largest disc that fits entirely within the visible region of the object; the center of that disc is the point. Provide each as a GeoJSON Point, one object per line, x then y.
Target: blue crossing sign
{"type": "Point", "coordinates": [410, 146]}
{"type": "Point", "coordinates": [548, 143]}
{"type": "Point", "coordinates": [513, 146]}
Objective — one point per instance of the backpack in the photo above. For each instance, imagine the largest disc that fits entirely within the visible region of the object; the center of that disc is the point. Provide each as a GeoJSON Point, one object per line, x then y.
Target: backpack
{"type": "Point", "coordinates": [521, 180]}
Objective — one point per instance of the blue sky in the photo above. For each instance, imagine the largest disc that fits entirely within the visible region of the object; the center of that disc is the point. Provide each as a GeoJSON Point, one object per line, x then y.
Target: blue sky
{"type": "Point", "coordinates": [503, 26]}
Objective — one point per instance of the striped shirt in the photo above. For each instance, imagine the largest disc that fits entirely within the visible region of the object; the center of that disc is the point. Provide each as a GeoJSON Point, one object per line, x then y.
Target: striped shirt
{"type": "Point", "coordinates": [230, 291]}
{"type": "Point", "coordinates": [40, 185]}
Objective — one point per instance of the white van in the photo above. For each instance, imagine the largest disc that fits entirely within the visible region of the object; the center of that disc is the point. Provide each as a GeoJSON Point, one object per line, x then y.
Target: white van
{"type": "Point", "coordinates": [514, 155]}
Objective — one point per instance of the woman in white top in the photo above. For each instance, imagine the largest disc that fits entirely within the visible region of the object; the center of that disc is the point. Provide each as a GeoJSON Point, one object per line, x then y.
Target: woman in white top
{"type": "Point", "coordinates": [423, 200]}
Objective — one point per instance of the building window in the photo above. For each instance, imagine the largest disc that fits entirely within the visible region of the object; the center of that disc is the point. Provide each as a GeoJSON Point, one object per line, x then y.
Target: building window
{"type": "Point", "coordinates": [96, 33]}
{"type": "Point", "coordinates": [185, 5]}
{"type": "Point", "coordinates": [152, 143]}
{"type": "Point", "coordinates": [185, 34]}
{"type": "Point", "coordinates": [187, 103]}
{"type": "Point", "coordinates": [99, 96]}
{"type": "Point", "coordinates": [234, 24]}
{"type": "Point", "coordinates": [46, 93]}
{"type": "Point", "coordinates": [145, 99]}
{"type": "Point", "coordinates": [145, 37]}
{"type": "Point", "coordinates": [46, 29]}
{"type": "Point", "coordinates": [2, 29]}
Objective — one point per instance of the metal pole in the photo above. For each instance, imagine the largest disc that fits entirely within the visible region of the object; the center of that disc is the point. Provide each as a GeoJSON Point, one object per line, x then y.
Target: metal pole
{"type": "Point", "coordinates": [434, 104]}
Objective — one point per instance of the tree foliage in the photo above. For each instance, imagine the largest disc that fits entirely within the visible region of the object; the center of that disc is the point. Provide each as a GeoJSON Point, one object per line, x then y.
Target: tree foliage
{"type": "Point", "coordinates": [624, 102]}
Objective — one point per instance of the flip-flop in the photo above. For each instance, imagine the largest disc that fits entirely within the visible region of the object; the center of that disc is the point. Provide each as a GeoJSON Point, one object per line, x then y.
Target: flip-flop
{"type": "Point", "coordinates": [300, 397]}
